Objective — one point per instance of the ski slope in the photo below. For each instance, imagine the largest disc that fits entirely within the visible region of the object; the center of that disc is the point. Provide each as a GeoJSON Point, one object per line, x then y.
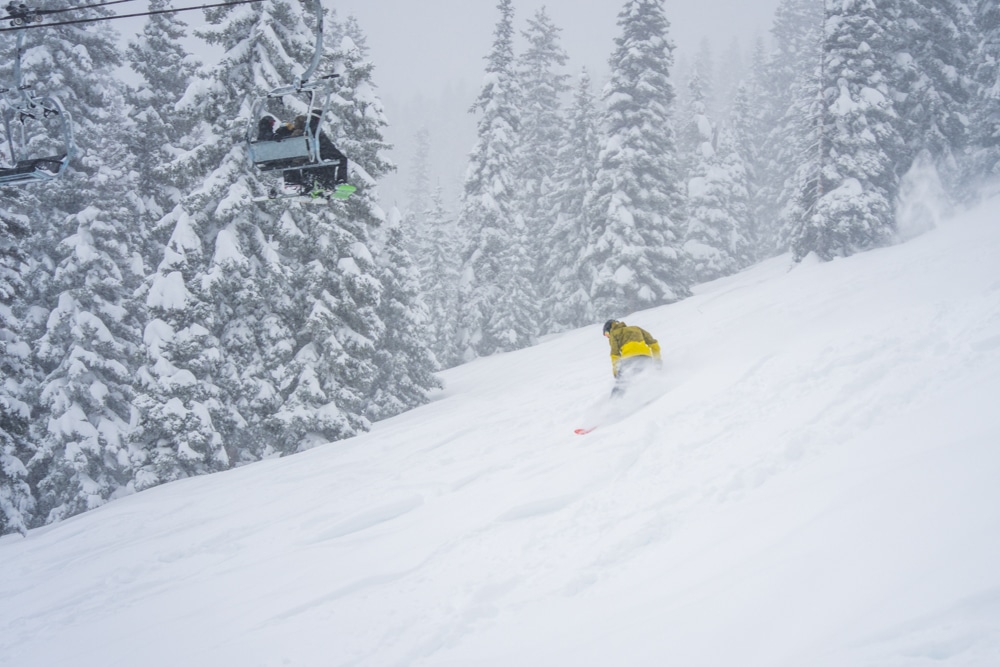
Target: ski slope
{"type": "Point", "coordinates": [815, 482]}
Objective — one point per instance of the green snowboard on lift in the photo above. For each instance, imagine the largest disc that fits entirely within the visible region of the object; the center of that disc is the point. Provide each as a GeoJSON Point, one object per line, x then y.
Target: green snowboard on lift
{"type": "Point", "coordinates": [343, 191]}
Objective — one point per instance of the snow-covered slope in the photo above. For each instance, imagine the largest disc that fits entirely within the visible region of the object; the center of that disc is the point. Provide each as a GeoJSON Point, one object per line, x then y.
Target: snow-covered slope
{"type": "Point", "coordinates": [816, 483]}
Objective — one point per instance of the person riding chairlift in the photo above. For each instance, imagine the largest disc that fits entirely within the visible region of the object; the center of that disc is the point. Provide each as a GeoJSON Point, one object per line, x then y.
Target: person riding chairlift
{"type": "Point", "coordinates": [317, 178]}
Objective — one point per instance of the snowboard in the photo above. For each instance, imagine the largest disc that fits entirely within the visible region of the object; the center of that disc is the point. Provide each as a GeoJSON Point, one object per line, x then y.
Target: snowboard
{"type": "Point", "coordinates": [343, 191]}
{"type": "Point", "coordinates": [615, 409]}
{"type": "Point", "coordinates": [302, 199]}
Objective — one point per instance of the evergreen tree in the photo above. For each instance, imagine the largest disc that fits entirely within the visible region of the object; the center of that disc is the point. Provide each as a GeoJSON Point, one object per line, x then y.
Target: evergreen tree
{"type": "Point", "coordinates": [90, 352]}
{"type": "Point", "coordinates": [861, 142]}
{"type": "Point", "coordinates": [543, 86]}
{"type": "Point", "coordinates": [498, 306]}
{"type": "Point", "coordinates": [439, 264]}
{"type": "Point", "coordinates": [634, 260]}
{"type": "Point", "coordinates": [704, 68]}
{"type": "Point", "coordinates": [161, 131]}
{"type": "Point", "coordinates": [805, 124]}
{"type": "Point", "coordinates": [175, 426]}
{"type": "Point", "coordinates": [933, 84]}
{"type": "Point", "coordinates": [419, 190]}
{"type": "Point", "coordinates": [748, 138]}
{"type": "Point", "coordinates": [86, 267]}
{"type": "Point", "coordinates": [405, 364]}
{"type": "Point", "coordinates": [16, 383]}
{"type": "Point", "coordinates": [358, 117]}
{"type": "Point", "coordinates": [717, 199]}
{"type": "Point", "coordinates": [795, 46]}
{"type": "Point", "coordinates": [336, 290]}
{"type": "Point", "coordinates": [184, 416]}
{"type": "Point", "coordinates": [985, 161]}
{"type": "Point", "coordinates": [569, 304]}
{"type": "Point", "coordinates": [731, 73]}
{"type": "Point", "coordinates": [694, 125]}
{"type": "Point", "coordinates": [788, 87]}
{"type": "Point", "coordinates": [242, 289]}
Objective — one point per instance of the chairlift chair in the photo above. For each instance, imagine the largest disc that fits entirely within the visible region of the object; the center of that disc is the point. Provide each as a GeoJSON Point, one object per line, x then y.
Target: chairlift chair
{"type": "Point", "coordinates": [27, 118]}
{"type": "Point", "coordinates": [304, 151]}
{"type": "Point", "coordinates": [300, 152]}
{"type": "Point", "coordinates": [20, 166]}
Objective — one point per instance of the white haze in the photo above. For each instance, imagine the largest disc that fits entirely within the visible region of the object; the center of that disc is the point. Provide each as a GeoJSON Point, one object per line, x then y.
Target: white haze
{"type": "Point", "coordinates": [429, 62]}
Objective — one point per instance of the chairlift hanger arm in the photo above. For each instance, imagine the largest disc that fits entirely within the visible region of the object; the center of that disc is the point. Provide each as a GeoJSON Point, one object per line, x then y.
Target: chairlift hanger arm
{"type": "Point", "coordinates": [127, 16]}
{"type": "Point", "coordinates": [318, 52]}
{"type": "Point", "coordinates": [300, 86]}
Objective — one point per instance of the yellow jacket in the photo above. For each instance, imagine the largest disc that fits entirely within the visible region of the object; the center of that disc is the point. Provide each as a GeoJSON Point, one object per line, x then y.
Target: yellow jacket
{"type": "Point", "coordinates": [629, 341]}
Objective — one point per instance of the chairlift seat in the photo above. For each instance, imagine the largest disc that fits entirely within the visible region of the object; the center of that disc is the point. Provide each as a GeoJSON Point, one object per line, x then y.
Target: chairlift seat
{"type": "Point", "coordinates": [37, 169]}
{"type": "Point", "coordinates": [289, 153]}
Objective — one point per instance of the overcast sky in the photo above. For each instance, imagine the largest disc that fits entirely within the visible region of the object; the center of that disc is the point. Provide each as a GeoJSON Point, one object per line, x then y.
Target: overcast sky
{"type": "Point", "coordinates": [421, 46]}
{"type": "Point", "coordinates": [435, 49]}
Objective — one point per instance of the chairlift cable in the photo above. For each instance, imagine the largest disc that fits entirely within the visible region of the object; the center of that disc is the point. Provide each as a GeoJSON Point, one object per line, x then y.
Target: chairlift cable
{"type": "Point", "coordinates": [34, 12]}
{"type": "Point", "coordinates": [127, 16]}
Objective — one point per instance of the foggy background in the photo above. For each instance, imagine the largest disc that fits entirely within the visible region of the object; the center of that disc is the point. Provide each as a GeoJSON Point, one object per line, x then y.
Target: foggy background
{"type": "Point", "coordinates": [429, 63]}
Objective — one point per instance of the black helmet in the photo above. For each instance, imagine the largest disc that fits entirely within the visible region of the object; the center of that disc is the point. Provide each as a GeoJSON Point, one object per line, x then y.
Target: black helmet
{"type": "Point", "coordinates": [607, 325]}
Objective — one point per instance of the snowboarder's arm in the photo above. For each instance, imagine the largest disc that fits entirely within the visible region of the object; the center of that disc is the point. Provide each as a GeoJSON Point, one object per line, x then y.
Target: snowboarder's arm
{"type": "Point", "coordinates": [616, 354]}
{"type": "Point", "coordinates": [654, 346]}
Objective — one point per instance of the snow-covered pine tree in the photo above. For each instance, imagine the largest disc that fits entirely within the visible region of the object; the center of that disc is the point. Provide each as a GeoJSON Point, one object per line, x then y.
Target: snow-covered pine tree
{"type": "Point", "coordinates": [748, 137]}
{"type": "Point", "coordinates": [704, 67]}
{"type": "Point", "coordinates": [796, 42]}
{"type": "Point", "coordinates": [933, 83]}
{"type": "Point", "coordinates": [439, 272]}
{"type": "Point", "coordinates": [402, 363]}
{"type": "Point", "coordinates": [789, 86]}
{"type": "Point", "coordinates": [498, 305]}
{"type": "Point", "coordinates": [405, 363]}
{"type": "Point", "coordinates": [419, 191]}
{"type": "Point", "coordinates": [568, 304]}
{"type": "Point", "coordinates": [985, 160]}
{"type": "Point", "coordinates": [733, 70]}
{"type": "Point", "coordinates": [161, 133]}
{"type": "Point", "coordinates": [750, 134]}
{"type": "Point", "coordinates": [861, 142]}
{"type": "Point", "coordinates": [358, 116]}
{"type": "Point", "coordinates": [336, 286]}
{"type": "Point", "coordinates": [243, 287]}
{"type": "Point", "coordinates": [90, 352]}
{"type": "Point", "coordinates": [634, 260]}
{"type": "Point", "coordinates": [805, 125]}
{"type": "Point", "coordinates": [184, 416]}
{"type": "Point", "coordinates": [19, 372]}
{"type": "Point", "coordinates": [87, 265]}
{"type": "Point", "coordinates": [716, 240]}
{"type": "Point", "coordinates": [694, 126]}
{"type": "Point", "coordinates": [175, 427]}
{"type": "Point", "coordinates": [16, 383]}
{"type": "Point", "coordinates": [543, 85]}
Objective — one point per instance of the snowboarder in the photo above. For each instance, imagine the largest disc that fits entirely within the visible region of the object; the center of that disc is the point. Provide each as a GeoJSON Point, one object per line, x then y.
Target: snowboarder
{"type": "Point", "coordinates": [293, 128]}
{"type": "Point", "coordinates": [265, 128]}
{"type": "Point", "coordinates": [633, 351]}
{"type": "Point", "coordinates": [331, 176]}
{"type": "Point", "coordinates": [317, 180]}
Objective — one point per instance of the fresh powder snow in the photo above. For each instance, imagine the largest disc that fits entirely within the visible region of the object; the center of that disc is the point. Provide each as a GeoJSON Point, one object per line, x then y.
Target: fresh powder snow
{"type": "Point", "coordinates": [814, 483]}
